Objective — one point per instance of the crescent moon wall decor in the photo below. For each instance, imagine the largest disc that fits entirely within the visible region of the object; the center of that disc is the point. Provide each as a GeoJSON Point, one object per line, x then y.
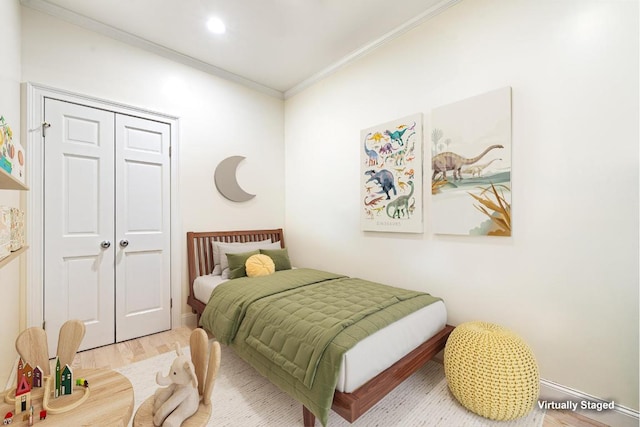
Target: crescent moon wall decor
{"type": "Point", "coordinates": [226, 181]}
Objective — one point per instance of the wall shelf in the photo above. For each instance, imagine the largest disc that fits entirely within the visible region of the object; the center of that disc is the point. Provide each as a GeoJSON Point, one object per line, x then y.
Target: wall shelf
{"type": "Point", "coordinates": [8, 182]}
{"type": "Point", "coordinates": [12, 256]}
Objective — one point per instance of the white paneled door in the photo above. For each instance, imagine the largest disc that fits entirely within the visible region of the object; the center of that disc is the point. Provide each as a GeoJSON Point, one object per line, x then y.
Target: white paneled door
{"type": "Point", "coordinates": [142, 228]}
{"type": "Point", "coordinates": [79, 222]}
{"type": "Point", "coordinates": [107, 224]}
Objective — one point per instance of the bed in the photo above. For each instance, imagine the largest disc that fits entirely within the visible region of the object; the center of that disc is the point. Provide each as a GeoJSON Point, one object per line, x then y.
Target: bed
{"type": "Point", "coordinates": [362, 380]}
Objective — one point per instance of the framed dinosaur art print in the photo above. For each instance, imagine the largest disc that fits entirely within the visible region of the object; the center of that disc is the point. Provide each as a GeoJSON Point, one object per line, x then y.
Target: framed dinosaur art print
{"type": "Point", "coordinates": [471, 166]}
{"type": "Point", "coordinates": [391, 176]}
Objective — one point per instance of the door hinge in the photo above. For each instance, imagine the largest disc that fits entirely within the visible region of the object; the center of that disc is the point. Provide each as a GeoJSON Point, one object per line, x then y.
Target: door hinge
{"type": "Point", "coordinates": [44, 323]}
{"type": "Point", "coordinates": [169, 151]}
{"type": "Point", "coordinates": [171, 303]}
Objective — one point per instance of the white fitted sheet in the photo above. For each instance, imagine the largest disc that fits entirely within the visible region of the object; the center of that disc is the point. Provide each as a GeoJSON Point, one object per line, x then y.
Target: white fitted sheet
{"type": "Point", "coordinates": [204, 285]}
{"type": "Point", "coordinates": [378, 351]}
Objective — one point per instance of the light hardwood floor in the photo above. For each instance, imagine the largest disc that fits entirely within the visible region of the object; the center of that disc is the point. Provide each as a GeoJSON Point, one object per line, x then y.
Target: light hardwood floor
{"type": "Point", "coordinates": [121, 354]}
{"type": "Point", "coordinates": [124, 353]}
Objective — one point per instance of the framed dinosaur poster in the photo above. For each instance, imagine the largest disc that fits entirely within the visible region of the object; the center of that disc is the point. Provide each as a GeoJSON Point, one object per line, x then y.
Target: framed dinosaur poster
{"type": "Point", "coordinates": [471, 166]}
{"type": "Point", "coordinates": [391, 176]}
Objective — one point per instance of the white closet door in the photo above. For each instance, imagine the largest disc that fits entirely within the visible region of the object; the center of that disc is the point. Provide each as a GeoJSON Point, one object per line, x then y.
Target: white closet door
{"type": "Point", "coordinates": [143, 244]}
{"type": "Point", "coordinates": [79, 221]}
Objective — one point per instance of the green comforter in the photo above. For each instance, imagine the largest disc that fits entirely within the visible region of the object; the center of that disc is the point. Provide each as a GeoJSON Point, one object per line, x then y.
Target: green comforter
{"type": "Point", "coordinates": [293, 326]}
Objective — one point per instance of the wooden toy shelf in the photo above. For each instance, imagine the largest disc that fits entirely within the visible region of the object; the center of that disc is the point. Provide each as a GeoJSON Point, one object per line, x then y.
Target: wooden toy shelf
{"type": "Point", "coordinates": [8, 182]}
{"type": "Point", "coordinates": [12, 256]}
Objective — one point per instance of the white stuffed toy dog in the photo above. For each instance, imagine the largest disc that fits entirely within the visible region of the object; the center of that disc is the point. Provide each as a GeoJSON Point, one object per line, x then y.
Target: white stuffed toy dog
{"type": "Point", "coordinates": [178, 397]}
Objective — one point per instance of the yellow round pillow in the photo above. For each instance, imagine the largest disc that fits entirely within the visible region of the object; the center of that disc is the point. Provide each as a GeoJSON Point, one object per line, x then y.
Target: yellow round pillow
{"type": "Point", "coordinates": [259, 265]}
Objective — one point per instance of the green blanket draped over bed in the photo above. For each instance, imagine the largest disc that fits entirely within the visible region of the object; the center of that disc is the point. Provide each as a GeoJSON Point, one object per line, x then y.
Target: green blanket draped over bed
{"type": "Point", "coordinates": [293, 326]}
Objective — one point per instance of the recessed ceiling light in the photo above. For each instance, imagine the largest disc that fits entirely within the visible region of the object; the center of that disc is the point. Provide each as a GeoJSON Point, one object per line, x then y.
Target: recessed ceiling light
{"type": "Point", "coordinates": [216, 26]}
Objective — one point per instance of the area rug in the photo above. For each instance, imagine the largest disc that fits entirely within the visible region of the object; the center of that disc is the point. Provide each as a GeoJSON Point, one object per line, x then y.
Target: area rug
{"type": "Point", "coordinates": [243, 398]}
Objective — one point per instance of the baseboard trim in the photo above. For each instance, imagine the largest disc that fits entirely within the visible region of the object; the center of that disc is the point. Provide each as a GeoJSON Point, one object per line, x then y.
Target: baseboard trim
{"type": "Point", "coordinates": [619, 416]}
{"type": "Point", "coordinates": [190, 320]}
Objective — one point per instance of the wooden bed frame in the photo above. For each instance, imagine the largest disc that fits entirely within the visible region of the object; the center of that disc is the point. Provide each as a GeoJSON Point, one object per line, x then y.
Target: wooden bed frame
{"type": "Point", "coordinates": [349, 406]}
{"type": "Point", "coordinates": [200, 254]}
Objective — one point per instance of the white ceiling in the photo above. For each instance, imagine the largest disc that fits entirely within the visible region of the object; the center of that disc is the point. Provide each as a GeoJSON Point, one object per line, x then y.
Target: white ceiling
{"type": "Point", "coordinates": [278, 46]}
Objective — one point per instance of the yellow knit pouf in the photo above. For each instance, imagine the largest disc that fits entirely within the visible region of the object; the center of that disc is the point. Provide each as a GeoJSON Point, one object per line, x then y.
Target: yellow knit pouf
{"type": "Point", "coordinates": [491, 371]}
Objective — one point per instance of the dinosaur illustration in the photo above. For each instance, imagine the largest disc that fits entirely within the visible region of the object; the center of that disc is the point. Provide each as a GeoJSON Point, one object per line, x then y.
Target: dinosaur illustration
{"type": "Point", "coordinates": [396, 135]}
{"type": "Point", "coordinates": [477, 169]}
{"type": "Point", "coordinates": [386, 148]}
{"type": "Point", "coordinates": [412, 205]}
{"type": "Point", "coordinates": [399, 157]}
{"type": "Point", "coordinates": [396, 158]}
{"type": "Point", "coordinates": [449, 161]}
{"type": "Point", "coordinates": [378, 209]}
{"type": "Point", "coordinates": [402, 185]}
{"type": "Point", "coordinates": [372, 154]}
{"type": "Point", "coordinates": [373, 201]}
{"type": "Point", "coordinates": [400, 206]}
{"type": "Point", "coordinates": [384, 179]}
{"type": "Point", "coordinates": [413, 144]}
{"type": "Point", "coordinates": [410, 173]}
{"type": "Point", "coordinates": [376, 137]}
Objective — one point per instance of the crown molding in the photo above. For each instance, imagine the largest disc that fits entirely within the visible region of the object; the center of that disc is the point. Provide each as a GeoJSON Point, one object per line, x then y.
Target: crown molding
{"type": "Point", "coordinates": [133, 40]}
{"type": "Point", "coordinates": [139, 42]}
{"type": "Point", "coordinates": [368, 48]}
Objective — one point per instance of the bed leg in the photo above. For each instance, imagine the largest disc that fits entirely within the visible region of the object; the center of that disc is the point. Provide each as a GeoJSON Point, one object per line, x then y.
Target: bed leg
{"type": "Point", "coordinates": [307, 417]}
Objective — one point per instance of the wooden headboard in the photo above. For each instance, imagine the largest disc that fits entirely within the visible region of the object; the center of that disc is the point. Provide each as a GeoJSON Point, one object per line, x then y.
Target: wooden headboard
{"type": "Point", "coordinates": [200, 253]}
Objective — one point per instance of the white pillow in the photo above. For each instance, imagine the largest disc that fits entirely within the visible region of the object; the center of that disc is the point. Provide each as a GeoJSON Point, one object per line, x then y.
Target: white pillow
{"type": "Point", "coordinates": [226, 248]}
{"type": "Point", "coordinates": [216, 252]}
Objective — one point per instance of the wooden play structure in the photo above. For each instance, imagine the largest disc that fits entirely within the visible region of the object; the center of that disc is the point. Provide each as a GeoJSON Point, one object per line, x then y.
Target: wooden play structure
{"type": "Point", "coordinates": [34, 374]}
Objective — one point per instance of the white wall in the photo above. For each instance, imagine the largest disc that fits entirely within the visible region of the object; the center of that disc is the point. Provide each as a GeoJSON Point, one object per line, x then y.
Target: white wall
{"type": "Point", "coordinates": [567, 281]}
{"type": "Point", "coordinates": [10, 277]}
{"type": "Point", "coordinates": [217, 118]}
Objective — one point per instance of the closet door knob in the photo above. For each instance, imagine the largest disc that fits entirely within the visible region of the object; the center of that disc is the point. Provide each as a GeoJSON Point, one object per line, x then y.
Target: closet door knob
{"type": "Point", "coordinates": [124, 243]}
{"type": "Point", "coordinates": [105, 244]}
